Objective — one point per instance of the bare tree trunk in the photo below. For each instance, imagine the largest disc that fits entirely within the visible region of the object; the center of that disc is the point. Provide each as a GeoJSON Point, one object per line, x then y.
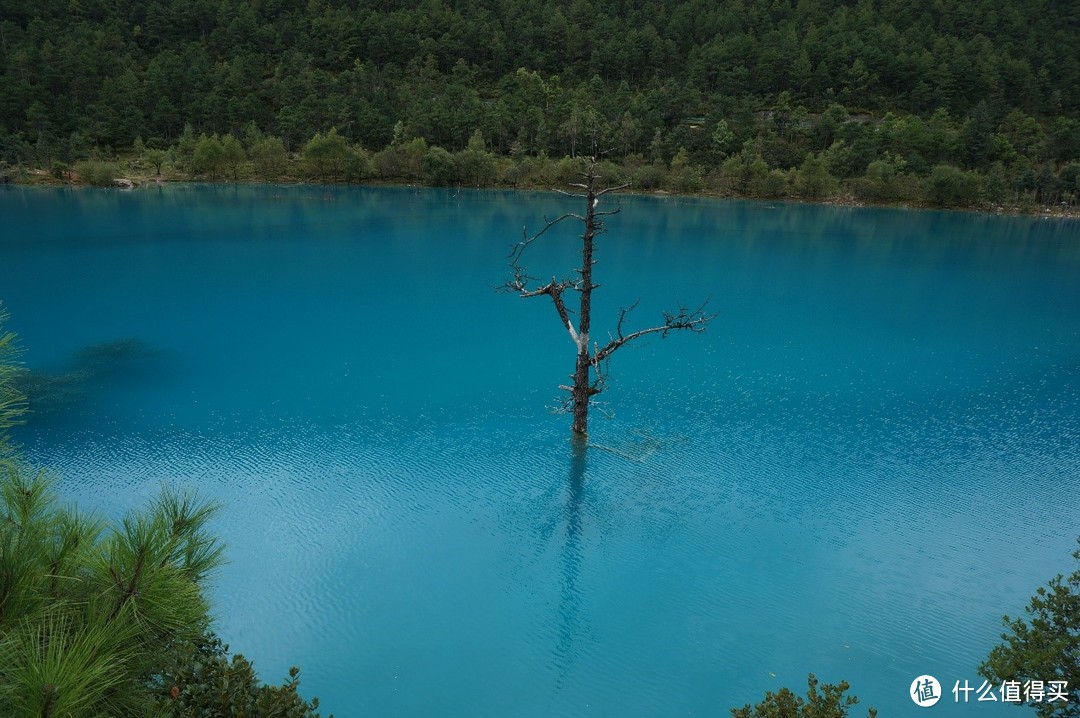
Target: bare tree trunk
{"type": "Point", "coordinates": [583, 389]}
{"type": "Point", "coordinates": [590, 364]}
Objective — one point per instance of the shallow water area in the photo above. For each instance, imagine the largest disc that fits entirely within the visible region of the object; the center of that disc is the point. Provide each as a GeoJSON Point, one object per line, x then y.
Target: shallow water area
{"type": "Point", "coordinates": [867, 459]}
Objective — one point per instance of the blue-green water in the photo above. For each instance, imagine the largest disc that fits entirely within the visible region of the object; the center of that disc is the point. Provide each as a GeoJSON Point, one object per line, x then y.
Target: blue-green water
{"type": "Point", "coordinates": [870, 455]}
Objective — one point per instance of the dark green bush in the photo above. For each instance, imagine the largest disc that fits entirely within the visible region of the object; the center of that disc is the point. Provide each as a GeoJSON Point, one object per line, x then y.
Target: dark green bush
{"type": "Point", "coordinates": [439, 167]}
{"type": "Point", "coordinates": [830, 702]}
{"type": "Point", "coordinates": [948, 186]}
{"type": "Point", "coordinates": [97, 173]}
{"type": "Point", "coordinates": [201, 680]}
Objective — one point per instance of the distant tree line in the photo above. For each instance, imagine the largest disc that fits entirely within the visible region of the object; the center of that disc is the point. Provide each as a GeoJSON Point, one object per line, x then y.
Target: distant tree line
{"type": "Point", "coordinates": [953, 103]}
{"type": "Point", "coordinates": [829, 157]}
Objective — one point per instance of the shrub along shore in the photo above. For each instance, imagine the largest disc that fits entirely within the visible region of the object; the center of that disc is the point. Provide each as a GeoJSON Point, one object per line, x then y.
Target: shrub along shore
{"type": "Point", "coordinates": [823, 176]}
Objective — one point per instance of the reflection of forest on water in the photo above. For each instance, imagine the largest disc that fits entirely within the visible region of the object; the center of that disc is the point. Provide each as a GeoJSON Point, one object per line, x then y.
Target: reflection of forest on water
{"type": "Point", "coordinates": [86, 375]}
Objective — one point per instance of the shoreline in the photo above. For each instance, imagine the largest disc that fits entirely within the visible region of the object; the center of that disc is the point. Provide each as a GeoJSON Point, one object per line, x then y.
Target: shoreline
{"type": "Point", "coordinates": [38, 177]}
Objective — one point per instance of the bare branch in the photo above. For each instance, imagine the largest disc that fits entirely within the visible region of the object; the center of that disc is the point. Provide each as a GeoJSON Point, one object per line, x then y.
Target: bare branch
{"type": "Point", "coordinates": [518, 284]}
{"type": "Point", "coordinates": [684, 319]}
{"type": "Point", "coordinates": [612, 189]}
{"type": "Point", "coordinates": [602, 369]}
{"type": "Point", "coordinates": [560, 307]}
{"type": "Point", "coordinates": [622, 317]}
{"type": "Point", "coordinates": [520, 280]}
{"type": "Point", "coordinates": [519, 248]}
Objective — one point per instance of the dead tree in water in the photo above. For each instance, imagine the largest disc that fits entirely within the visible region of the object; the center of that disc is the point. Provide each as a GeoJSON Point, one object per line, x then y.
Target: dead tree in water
{"type": "Point", "coordinates": [591, 367]}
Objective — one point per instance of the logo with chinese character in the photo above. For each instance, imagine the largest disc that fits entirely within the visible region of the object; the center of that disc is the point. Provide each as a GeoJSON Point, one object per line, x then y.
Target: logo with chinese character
{"type": "Point", "coordinates": [925, 691]}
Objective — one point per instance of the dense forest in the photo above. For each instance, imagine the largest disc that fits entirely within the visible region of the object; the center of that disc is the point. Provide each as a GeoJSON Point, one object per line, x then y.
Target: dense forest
{"type": "Point", "coordinates": [953, 102]}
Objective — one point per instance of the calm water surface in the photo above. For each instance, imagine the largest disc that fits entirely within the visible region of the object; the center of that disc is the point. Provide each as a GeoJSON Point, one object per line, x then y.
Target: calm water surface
{"type": "Point", "coordinates": [868, 458]}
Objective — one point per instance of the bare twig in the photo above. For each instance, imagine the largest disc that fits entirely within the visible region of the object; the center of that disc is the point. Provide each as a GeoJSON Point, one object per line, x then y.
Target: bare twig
{"type": "Point", "coordinates": [683, 319]}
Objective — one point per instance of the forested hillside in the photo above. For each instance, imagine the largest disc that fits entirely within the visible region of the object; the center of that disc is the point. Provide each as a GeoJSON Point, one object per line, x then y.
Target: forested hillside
{"type": "Point", "coordinates": [990, 86]}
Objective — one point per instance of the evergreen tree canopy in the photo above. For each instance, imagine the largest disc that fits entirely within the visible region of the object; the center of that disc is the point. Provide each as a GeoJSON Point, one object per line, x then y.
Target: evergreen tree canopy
{"type": "Point", "coordinates": [93, 73]}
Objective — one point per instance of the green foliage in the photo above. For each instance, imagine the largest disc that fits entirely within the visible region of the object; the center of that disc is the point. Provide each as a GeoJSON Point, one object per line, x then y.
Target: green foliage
{"type": "Point", "coordinates": [747, 172]}
{"type": "Point", "coordinates": [1070, 180]}
{"type": "Point", "coordinates": [156, 158]}
{"type": "Point", "coordinates": [200, 680]}
{"type": "Point", "coordinates": [996, 187]}
{"type": "Point", "coordinates": [829, 702]}
{"type": "Point", "coordinates": [1044, 645]}
{"type": "Point", "coordinates": [232, 154]}
{"type": "Point", "coordinates": [185, 149]}
{"type": "Point", "coordinates": [97, 173]}
{"type": "Point", "coordinates": [268, 156]}
{"type": "Point", "coordinates": [475, 164]}
{"type": "Point", "coordinates": [439, 167]}
{"type": "Point", "coordinates": [757, 178]}
{"type": "Point", "coordinates": [101, 620]}
{"type": "Point", "coordinates": [1025, 134]}
{"type": "Point", "coordinates": [839, 160]}
{"type": "Point", "coordinates": [648, 176]}
{"type": "Point", "coordinates": [252, 134]}
{"type": "Point", "coordinates": [952, 187]}
{"type": "Point", "coordinates": [358, 165]}
{"type": "Point", "coordinates": [325, 155]}
{"type": "Point", "coordinates": [814, 180]}
{"type": "Point", "coordinates": [712, 99]}
{"type": "Point", "coordinates": [684, 176]}
{"type": "Point", "coordinates": [723, 139]}
{"type": "Point", "coordinates": [884, 181]}
{"type": "Point", "coordinates": [66, 664]}
{"type": "Point", "coordinates": [681, 160]}
{"type": "Point", "coordinates": [611, 173]}
{"type": "Point", "coordinates": [402, 160]}
{"type": "Point", "coordinates": [208, 156]}
{"type": "Point", "coordinates": [775, 184]}
{"type": "Point", "coordinates": [12, 401]}
{"type": "Point", "coordinates": [549, 80]}
{"type": "Point", "coordinates": [86, 609]}
{"type": "Point", "coordinates": [1065, 138]}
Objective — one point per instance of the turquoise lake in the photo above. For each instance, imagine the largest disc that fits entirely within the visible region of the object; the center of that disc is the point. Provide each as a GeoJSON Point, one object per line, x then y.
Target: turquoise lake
{"type": "Point", "coordinates": [870, 455]}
